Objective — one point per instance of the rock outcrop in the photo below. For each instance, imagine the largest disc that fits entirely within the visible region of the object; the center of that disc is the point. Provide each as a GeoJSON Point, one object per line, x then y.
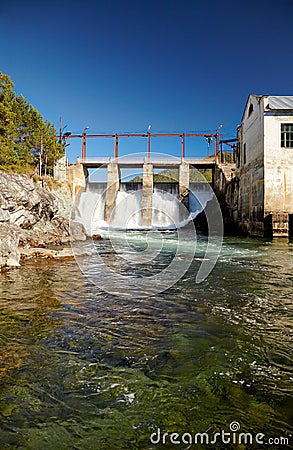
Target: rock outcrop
{"type": "Point", "coordinates": [32, 215]}
{"type": "Point", "coordinates": [46, 253]}
{"type": "Point", "coordinates": [9, 251]}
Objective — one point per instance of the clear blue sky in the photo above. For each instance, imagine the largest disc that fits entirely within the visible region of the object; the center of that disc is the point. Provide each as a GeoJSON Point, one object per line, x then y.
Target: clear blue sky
{"type": "Point", "coordinates": [185, 65]}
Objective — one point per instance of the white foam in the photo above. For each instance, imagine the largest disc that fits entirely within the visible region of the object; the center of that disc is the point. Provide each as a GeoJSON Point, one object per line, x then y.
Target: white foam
{"type": "Point", "coordinates": [168, 212]}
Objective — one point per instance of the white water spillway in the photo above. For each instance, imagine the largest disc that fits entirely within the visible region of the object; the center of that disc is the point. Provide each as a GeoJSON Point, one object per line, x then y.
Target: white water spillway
{"type": "Point", "coordinates": [167, 211]}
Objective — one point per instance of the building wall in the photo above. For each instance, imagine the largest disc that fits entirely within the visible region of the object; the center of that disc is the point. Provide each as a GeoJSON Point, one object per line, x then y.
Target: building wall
{"type": "Point", "coordinates": [251, 168]}
{"type": "Point", "coordinates": [265, 170]}
{"type": "Point", "coordinates": [278, 166]}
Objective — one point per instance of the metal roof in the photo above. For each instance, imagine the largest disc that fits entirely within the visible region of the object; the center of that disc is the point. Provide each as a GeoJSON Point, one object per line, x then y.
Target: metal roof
{"type": "Point", "coordinates": [280, 102]}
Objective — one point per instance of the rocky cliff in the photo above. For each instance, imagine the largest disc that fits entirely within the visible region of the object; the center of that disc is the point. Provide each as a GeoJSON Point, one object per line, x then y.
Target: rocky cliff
{"type": "Point", "coordinates": [32, 214]}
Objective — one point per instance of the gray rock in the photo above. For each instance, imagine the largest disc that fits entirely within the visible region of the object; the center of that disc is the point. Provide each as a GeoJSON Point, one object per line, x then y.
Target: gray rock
{"type": "Point", "coordinates": [77, 231]}
{"type": "Point", "coordinates": [33, 216]}
{"type": "Point", "coordinates": [25, 201]}
{"type": "Point", "coordinates": [9, 252]}
{"type": "Point", "coordinates": [64, 253]}
{"type": "Point", "coordinates": [4, 216]}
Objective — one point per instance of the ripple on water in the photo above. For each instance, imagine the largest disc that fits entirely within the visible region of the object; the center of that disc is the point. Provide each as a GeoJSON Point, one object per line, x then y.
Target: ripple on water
{"type": "Point", "coordinates": [91, 370]}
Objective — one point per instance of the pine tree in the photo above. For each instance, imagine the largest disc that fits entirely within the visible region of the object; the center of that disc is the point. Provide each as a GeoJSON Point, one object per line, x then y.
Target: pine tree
{"type": "Point", "coordinates": [7, 125]}
{"type": "Point", "coordinates": [26, 140]}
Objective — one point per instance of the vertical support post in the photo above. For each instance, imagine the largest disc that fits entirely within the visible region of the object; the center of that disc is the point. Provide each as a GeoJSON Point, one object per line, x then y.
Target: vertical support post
{"type": "Point", "coordinates": [147, 195]}
{"type": "Point", "coordinates": [113, 184]}
{"type": "Point", "coordinates": [149, 145]}
{"type": "Point", "coordinates": [217, 145]}
{"type": "Point", "coordinates": [83, 145]}
{"type": "Point", "coordinates": [76, 177]}
{"type": "Point", "coordinates": [182, 146]}
{"type": "Point", "coordinates": [183, 189]}
{"type": "Point", "coordinates": [116, 147]}
{"type": "Point", "coordinates": [183, 178]}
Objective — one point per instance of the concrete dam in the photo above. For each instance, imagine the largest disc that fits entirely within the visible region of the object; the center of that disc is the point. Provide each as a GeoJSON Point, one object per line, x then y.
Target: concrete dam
{"type": "Point", "coordinates": [148, 204]}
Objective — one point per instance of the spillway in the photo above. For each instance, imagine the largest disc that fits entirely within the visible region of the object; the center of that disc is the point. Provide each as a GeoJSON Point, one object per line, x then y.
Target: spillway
{"type": "Point", "coordinates": [167, 211]}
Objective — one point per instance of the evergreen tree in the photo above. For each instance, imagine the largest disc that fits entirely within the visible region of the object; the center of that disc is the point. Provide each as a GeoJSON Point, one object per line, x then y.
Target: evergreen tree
{"type": "Point", "coordinates": [7, 125]}
{"type": "Point", "coordinates": [26, 140]}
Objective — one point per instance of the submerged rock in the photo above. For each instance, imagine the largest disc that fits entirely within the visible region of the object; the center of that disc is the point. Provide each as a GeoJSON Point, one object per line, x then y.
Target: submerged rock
{"type": "Point", "coordinates": [96, 237]}
{"type": "Point", "coordinates": [46, 253]}
{"type": "Point", "coordinates": [77, 231]}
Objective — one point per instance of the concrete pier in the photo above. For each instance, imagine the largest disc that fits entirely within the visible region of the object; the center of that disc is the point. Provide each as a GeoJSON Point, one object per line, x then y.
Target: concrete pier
{"type": "Point", "coordinates": [113, 184]}
{"type": "Point", "coordinates": [183, 178]}
{"type": "Point", "coordinates": [76, 177]}
{"type": "Point", "coordinates": [147, 195]}
{"type": "Point", "coordinates": [279, 226]}
{"type": "Point", "coordinates": [183, 188]}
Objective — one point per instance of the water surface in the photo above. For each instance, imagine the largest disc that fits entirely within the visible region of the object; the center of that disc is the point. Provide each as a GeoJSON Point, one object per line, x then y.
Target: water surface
{"type": "Point", "coordinates": [83, 369]}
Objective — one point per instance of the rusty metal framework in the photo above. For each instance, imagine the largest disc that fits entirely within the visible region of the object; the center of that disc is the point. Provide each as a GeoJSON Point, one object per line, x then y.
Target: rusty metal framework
{"type": "Point", "coordinates": [116, 136]}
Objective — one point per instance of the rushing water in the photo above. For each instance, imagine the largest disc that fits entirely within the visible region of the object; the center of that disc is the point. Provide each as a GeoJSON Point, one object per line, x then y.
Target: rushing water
{"type": "Point", "coordinates": [167, 211]}
{"type": "Point", "coordinates": [84, 369]}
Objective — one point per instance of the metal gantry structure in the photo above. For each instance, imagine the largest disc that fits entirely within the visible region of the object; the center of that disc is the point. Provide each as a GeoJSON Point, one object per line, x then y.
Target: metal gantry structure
{"type": "Point", "coordinates": [148, 135]}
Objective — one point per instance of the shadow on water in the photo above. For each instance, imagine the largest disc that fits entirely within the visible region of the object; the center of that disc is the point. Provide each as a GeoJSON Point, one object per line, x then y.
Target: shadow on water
{"type": "Point", "coordinates": [82, 369]}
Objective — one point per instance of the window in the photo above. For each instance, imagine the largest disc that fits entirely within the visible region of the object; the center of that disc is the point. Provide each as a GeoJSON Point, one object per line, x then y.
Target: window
{"type": "Point", "coordinates": [238, 155]}
{"type": "Point", "coordinates": [250, 111]}
{"type": "Point", "coordinates": [287, 135]}
{"type": "Point", "coordinates": [244, 154]}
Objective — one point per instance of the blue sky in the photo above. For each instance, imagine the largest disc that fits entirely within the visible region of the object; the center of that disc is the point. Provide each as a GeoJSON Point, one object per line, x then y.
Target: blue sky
{"type": "Point", "coordinates": [179, 65]}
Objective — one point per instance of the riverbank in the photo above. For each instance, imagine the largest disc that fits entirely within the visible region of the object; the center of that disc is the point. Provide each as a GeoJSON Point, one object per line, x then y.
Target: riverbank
{"type": "Point", "coordinates": [34, 217]}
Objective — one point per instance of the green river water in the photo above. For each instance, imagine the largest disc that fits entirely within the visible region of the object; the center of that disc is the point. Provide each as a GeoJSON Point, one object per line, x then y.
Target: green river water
{"type": "Point", "coordinates": [84, 369]}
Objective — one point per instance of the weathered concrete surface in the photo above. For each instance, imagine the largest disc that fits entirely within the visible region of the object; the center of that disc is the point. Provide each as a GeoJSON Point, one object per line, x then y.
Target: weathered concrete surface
{"type": "Point", "coordinates": [278, 197]}
{"type": "Point", "coordinates": [113, 184]}
{"type": "Point", "coordinates": [183, 189]}
{"type": "Point", "coordinates": [147, 195]}
{"type": "Point", "coordinates": [279, 225]}
{"type": "Point", "coordinates": [251, 169]}
{"type": "Point", "coordinates": [59, 171]}
{"type": "Point", "coordinates": [183, 177]}
{"type": "Point", "coordinates": [265, 170]}
{"type": "Point", "coordinates": [226, 187]}
{"type": "Point", "coordinates": [76, 177]}
{"type": "Point", "coordinates": [278, 193]}
{"type": "Point", "coordinates": [251, 198]}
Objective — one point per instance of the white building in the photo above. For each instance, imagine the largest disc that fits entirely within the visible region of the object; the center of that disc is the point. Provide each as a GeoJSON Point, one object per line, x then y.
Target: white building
{"type": "Point", "coordinates": [265, 166]}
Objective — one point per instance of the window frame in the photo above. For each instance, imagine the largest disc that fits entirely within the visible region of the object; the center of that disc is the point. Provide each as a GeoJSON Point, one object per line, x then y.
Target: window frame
{"type": "Point", "coordinates": [286, 135]}
{"type": "Point", "coordinates": [250, 110]}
